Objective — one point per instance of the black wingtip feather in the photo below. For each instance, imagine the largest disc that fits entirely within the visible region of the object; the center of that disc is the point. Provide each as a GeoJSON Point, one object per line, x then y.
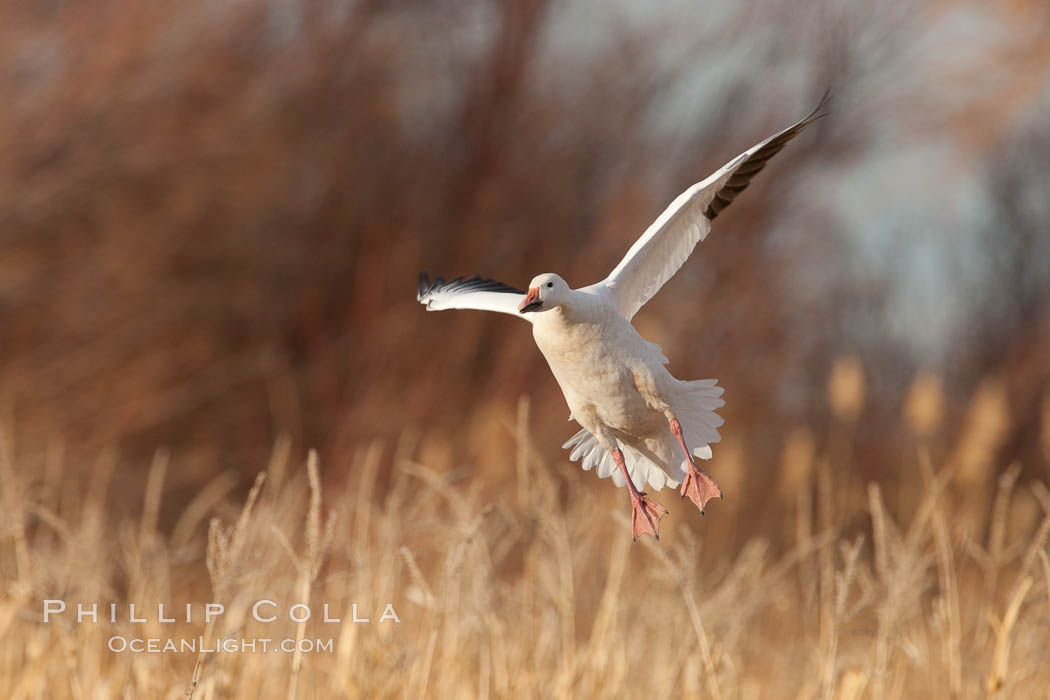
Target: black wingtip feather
{"type": "Point", "coordinates": [754, 164]}
{"type": "Point", "coordinates": [459, 285]}
{"type": "Point", "coordinates": [825, 99]}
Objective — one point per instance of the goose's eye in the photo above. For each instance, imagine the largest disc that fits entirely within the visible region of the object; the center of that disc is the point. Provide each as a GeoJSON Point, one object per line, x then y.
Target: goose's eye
{"type": "Point", "coordinates": [549, 285]}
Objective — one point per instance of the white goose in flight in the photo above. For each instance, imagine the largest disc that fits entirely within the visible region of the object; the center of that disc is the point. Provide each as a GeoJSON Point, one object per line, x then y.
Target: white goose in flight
{"type": "Point", "coordinates": [638, 421]}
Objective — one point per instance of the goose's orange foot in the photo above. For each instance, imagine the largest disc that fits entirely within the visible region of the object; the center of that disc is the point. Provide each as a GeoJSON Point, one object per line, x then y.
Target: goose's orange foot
{"type": "Point", "coordinates": [645, 515]}
{"type": "Point", "coordinates": [699, 487]}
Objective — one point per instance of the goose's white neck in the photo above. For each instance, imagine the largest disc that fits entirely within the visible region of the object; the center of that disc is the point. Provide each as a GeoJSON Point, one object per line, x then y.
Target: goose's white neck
{"type": "Point", "coordinates": [581, 309]}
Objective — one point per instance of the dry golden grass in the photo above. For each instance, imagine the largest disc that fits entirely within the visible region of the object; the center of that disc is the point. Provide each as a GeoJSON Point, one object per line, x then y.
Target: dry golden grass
{"type": "Point", "coordinates": [534, 588]}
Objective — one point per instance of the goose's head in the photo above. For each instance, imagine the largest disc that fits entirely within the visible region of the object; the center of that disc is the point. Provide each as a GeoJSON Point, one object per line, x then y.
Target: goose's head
{"type": "Point", "coordinates": [547, 291]}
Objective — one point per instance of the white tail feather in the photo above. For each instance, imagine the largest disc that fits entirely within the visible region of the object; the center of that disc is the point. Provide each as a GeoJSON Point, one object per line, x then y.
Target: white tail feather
{"type": "Point", "coordinates": [642, 470]}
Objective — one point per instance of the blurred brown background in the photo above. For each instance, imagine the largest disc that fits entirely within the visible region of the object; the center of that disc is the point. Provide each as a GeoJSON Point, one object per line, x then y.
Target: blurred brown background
{"type": "Point", "coordinates": [212, 216]}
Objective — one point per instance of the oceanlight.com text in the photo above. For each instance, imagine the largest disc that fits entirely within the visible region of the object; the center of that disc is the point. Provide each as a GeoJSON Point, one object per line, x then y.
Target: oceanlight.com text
{"type": "Point", "coordinates": [194, 645]}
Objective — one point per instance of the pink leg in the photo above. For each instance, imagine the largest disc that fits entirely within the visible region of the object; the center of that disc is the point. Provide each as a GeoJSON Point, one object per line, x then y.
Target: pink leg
{"type": "Point", "coordinates": [698, 485]}
{"type": "Point", "coordinates": [645, 512]}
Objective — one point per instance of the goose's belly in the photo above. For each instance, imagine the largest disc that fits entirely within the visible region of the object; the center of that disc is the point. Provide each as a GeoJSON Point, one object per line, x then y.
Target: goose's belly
{"type": "Point", "coordinates": [597, 379]}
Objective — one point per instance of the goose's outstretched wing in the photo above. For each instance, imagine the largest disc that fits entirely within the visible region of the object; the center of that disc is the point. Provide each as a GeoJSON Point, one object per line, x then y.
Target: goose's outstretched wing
{"type": "Point", "coordinates": [471, 293]}
{"type": "Point", "coordinates": [668, 242]}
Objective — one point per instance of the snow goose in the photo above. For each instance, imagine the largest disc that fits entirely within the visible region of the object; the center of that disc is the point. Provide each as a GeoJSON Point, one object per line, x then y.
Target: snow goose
{"type": "Point", "coordinates": [637, 420]}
